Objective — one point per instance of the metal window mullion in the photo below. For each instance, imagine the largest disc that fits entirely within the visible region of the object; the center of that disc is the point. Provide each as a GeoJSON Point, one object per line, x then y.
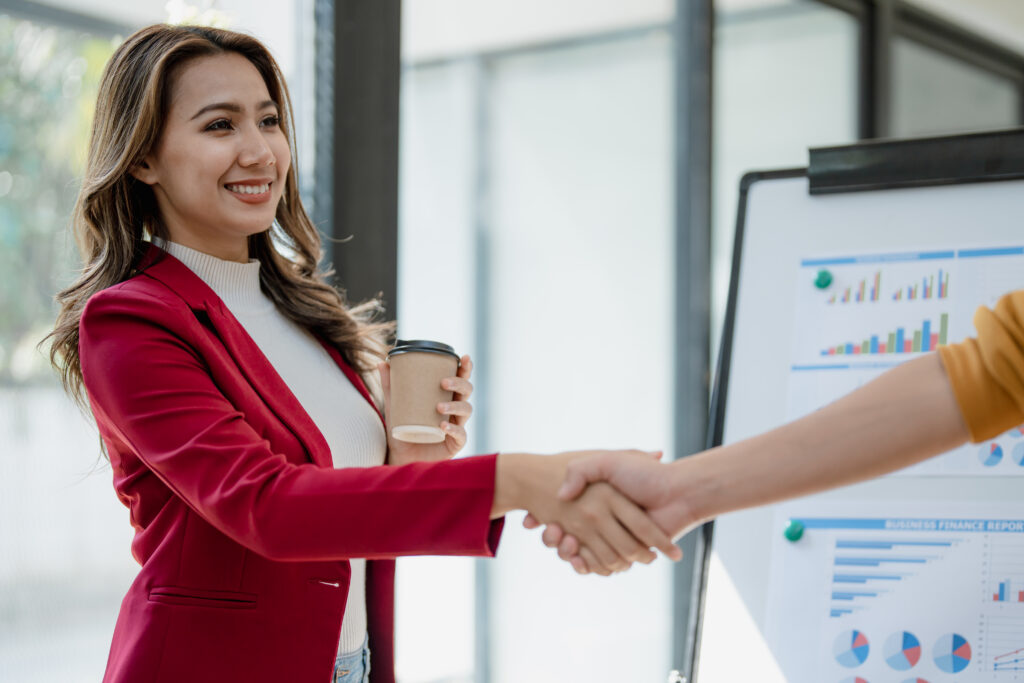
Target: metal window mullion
{"type": "Point", "coordinates": [693, 29]}
{"type": "Point", "coordinates": [359, 135]}
{"type": "Point", "coordinates": [481, 76]}
{"type": "Point", "coordinates": [880, 20]}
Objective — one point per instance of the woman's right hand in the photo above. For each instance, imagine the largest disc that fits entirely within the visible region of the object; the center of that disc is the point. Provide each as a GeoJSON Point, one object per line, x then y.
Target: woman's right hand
{"type": "Point", "coordinates": [612, 530]}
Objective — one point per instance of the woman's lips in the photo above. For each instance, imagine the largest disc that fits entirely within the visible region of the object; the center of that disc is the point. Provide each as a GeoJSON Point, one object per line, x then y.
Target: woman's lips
{"type": "Point", "coordinates": [250, 193]}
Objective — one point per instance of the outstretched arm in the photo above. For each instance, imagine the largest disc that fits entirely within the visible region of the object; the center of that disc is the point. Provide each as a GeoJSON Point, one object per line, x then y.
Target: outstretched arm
{"type": "Point", "coordinates": [902, 417]}
{"type": "Point", "coordinates": [922, 408]}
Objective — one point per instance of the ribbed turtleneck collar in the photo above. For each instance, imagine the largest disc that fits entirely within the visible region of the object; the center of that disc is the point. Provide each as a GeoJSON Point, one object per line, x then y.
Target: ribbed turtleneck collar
{"type": "Point", "coordinates": [237, 284]}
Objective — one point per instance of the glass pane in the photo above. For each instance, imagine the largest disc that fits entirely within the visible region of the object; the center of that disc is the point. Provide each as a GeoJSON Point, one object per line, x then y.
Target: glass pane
{"type": "Point", "coordinates": [580, 327]}
{"type": "Point", "coordinates": [65, 560]}
{"type": "Point", "coordinates": [785, 80]}
{"type": "Point", "coordinates": [434, 595]}
{"type": "Point", "coordinates": [934, 93]}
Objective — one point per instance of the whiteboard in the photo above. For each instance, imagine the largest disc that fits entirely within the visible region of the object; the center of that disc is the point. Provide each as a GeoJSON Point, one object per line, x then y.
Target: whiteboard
{"type": "Point", "coordinates": [783, 321]}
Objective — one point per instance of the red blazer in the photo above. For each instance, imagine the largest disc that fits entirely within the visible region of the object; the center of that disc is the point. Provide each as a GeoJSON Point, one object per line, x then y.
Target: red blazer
{"type": "Point", "coordinates": [242, 525]}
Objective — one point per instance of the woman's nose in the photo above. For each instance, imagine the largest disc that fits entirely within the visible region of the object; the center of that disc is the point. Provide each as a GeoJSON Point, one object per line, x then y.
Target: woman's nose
{"type": "Point", "coordinates": [255, 149]}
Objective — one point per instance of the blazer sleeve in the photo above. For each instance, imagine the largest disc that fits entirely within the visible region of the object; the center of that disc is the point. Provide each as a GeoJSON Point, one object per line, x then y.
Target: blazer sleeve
{"type": "Point", "coordinates": [153, 393]}
{"type": "Point", "coordinates": [987, 372]}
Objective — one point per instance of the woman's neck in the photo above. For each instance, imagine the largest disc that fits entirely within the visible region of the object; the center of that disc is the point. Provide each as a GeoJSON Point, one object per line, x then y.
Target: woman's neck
{"type": "Point", "coordinates": [226, 247]}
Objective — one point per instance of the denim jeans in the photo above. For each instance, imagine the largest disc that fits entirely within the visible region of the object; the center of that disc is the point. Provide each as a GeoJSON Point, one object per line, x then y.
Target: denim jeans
{"type": "Point", "coordinates": [353, 667]}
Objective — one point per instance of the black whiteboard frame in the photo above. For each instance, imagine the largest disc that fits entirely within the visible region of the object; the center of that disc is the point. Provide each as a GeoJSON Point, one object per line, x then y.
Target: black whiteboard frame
{"type": "Point", "coordinates": [989, 156]}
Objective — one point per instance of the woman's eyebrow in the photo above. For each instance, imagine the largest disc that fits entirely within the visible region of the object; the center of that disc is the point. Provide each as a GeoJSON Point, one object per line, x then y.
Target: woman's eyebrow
{"type": "Point", "coordinates": [231, 106]}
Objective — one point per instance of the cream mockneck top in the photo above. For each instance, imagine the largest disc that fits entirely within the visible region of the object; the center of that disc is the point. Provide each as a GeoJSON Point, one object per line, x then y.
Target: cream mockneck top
{"type": "Point", "coordinates": [349, 424]}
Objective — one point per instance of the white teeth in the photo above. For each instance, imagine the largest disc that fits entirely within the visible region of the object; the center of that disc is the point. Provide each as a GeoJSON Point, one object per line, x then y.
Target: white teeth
{"type": "Point", "coordinates": [249, 189]}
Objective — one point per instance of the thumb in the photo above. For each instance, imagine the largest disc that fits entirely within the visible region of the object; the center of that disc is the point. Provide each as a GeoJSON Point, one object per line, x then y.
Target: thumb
{"type": "Point", "coordinates": [581, 472]}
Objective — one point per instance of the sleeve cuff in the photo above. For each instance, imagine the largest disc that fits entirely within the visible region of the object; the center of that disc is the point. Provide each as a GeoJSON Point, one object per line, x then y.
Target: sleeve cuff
{"type": "Point", "coordinates": [987, 408]}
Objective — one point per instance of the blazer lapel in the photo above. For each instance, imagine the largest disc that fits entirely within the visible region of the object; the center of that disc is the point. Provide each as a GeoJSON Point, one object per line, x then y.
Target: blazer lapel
{"type": "Point", "coordinates": [268, 383]}
{"type": "Point", "coordinates": [247, 355]}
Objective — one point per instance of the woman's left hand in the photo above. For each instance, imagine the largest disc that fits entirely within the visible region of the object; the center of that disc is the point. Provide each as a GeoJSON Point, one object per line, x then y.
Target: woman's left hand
{"type": "Point", "coordinates": [452, 418]}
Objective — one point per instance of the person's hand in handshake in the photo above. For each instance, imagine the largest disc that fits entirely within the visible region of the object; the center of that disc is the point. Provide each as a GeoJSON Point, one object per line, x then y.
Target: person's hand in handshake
{"type": "Point", "coordinates": [645, 481]}
{"type": "Point", "coordinates": [609, 531]}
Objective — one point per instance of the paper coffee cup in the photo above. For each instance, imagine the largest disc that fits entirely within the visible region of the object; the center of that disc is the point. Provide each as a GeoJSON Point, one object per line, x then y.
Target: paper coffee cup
{"type": "Point", "coordinates": [417, 368]}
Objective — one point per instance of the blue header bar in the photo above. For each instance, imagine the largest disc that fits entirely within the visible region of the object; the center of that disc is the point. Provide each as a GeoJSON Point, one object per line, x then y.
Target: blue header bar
{"type": "Point", "coordinates": [879, 258]}
{"type": "Point", "coordinates": [975, 253]}
{"type": "Point", "coordinates": [1008, 526]}
{"type": "Point", "coordinates": [912, 256]}
{"type": "Point", "coordinates": [874, 365]}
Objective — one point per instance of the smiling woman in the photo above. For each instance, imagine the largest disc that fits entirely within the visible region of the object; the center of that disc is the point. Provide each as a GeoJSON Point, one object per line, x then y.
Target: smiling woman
{"type": "Point", "coordinates": [233, 389]}
{"type": "Point", "coordinates": [219, 169]}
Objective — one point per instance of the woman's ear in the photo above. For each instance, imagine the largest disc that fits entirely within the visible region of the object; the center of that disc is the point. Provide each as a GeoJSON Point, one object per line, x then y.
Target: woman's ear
{"type": "Point", "coordinates": [144, 172]}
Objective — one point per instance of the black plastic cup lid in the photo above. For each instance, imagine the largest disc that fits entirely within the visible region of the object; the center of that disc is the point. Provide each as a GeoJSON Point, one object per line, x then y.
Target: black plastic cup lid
{"type": "Point", "coordinates": [421, 345]}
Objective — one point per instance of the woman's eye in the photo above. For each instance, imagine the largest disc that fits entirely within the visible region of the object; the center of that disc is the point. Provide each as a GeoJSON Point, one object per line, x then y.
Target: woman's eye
{"type": "Point", "coordinates": [219, 124]}
{"type": "Point", "coordinates": [271, 121]}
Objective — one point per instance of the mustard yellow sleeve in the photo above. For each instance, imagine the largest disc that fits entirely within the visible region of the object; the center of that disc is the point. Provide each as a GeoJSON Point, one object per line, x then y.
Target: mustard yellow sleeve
{"type": "Point", "coordinates": [987, 373]}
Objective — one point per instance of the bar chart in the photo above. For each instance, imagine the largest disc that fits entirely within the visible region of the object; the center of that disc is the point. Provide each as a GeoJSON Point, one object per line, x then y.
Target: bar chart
{"type": "Point", "coordinates": [1004, 592]}
{"type": "Point", "coordinates": [866, 569]}
{"type": "Point", "coordinates": [925, 288]}
{"type": "Point", "coordinates": [860, 292]}
{"type": "Point", "coordinates": [928, 337]}
{"type": "Point", "coordinates": [1005, 573]}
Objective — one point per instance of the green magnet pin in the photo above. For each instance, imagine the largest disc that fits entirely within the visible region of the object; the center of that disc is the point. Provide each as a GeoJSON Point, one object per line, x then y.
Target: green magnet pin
{"type": "Point", "coordinates": [794, 530]}
{"type": "Point", "coordinates": [823, 280]}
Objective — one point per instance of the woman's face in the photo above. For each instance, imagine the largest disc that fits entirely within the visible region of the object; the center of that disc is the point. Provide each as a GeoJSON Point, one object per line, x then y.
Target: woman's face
{"type": "Point", "coordinates": [219, 168]}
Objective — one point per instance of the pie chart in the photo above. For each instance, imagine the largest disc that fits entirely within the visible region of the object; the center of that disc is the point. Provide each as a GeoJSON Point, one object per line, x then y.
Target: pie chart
{"type": "Point", "coordinates": [902, 650]}
{"type": "Point", "coordinates": [952, 653]}
{"type": "Point", "coordinates": [990, 454]}
{"type": "Point", "coordinates": [851, 648]}
{"type": "Point", "coordinates": [1018, 454]}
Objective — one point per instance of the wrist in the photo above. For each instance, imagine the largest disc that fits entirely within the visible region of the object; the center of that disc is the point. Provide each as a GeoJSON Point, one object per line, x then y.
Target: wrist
{"type": "Point", "coordinates": [508, 482]}
{"type": "Point", "coordinates": [697, 483]}
{"type": "Point", "coordinates": [526, 481]}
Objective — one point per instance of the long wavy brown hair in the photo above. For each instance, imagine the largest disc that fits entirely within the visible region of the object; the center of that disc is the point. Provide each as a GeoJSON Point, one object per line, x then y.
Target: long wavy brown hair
{"type": "Point", "coordinates": [115, 213]}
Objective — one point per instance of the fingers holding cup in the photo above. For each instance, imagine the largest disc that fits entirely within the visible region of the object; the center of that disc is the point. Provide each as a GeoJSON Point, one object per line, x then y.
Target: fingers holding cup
{"type": "Point", "coordinates": [458, 409]}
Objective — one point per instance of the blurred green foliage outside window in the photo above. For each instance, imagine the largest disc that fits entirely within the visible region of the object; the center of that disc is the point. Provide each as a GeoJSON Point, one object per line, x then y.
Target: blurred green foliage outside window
{"type": "Point", "coordinates": [48, 82]}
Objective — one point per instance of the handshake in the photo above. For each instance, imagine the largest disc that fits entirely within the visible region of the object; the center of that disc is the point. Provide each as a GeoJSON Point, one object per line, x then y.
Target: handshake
{"type": "Point", "coordinates": [603, 510]}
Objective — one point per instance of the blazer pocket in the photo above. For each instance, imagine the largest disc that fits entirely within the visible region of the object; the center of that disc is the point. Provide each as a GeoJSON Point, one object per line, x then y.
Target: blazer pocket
{"type": "Point", "coordinates": [197, 597]}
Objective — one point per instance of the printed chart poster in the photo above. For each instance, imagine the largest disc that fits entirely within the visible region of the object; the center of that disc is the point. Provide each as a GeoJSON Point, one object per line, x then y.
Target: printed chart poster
{"type": "Point", "coordinates": [901, 597]}
{"type": "Point", "coordinates": [860, 314]}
